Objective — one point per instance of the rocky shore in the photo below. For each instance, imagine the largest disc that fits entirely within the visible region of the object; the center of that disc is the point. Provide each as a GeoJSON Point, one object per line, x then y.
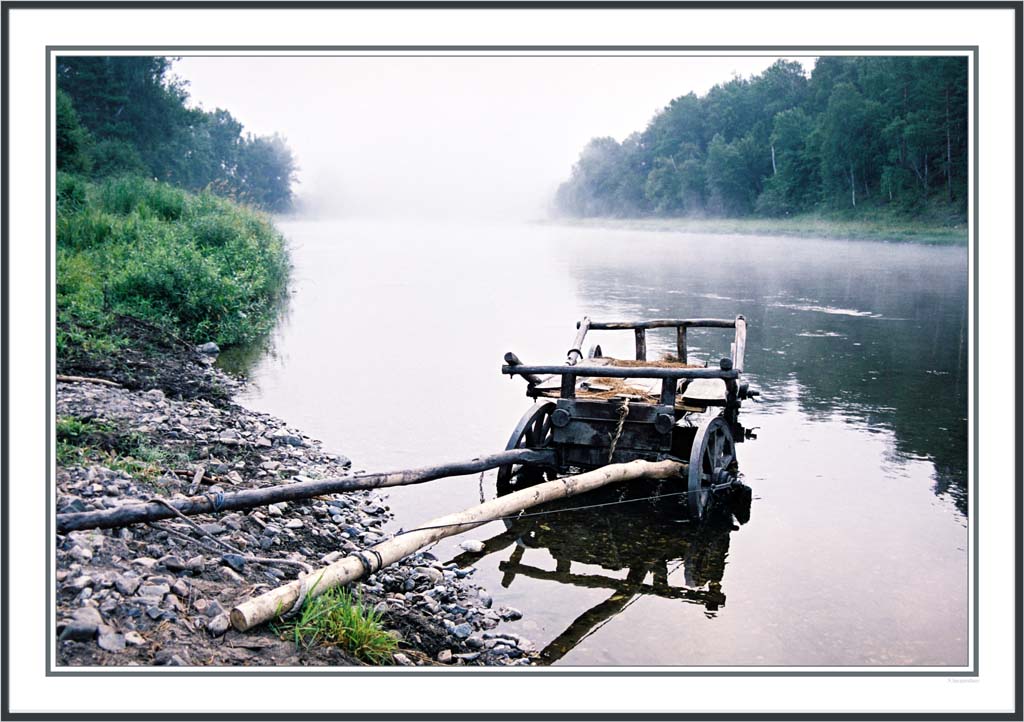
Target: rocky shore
{"type": "Point", "coordinates": [159, 593]}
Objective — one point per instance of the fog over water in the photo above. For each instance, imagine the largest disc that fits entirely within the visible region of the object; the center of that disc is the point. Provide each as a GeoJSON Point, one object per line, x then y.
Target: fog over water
{"type": "Point", "coordinates": [414, 272]}
{"type": "Point", "coordinates": [446, 137]}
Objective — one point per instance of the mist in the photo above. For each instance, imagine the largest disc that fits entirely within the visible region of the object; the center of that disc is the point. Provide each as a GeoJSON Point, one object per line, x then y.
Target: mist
{"type": "Point", "coordinates": [445, 137]}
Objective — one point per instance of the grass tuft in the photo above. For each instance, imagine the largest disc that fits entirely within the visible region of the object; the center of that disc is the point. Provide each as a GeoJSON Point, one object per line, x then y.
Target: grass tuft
{"type": "Point", "coordinates": [339, 617]}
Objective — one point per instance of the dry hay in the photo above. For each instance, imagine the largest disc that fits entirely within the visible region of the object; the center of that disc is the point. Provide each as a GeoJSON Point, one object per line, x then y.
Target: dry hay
{"type": "Point", "coordinates": [613, 388]}
{"type": "Point", "coordinates": [671, 362]}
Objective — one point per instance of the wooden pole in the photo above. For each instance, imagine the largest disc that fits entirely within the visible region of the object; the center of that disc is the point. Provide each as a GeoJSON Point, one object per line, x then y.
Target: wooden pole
{"type": "Point", "coordinates": [278, 601]}
{"type": "Point", "coordinates": [740, 347]}
{"type": "Point", "coordinates": [150, 511]}
{"type": "Point", "coordinates": [576, 352]}
{"type": "Point", "coordinates": [641, 344]}
{"type": "Point", "coordinates": [85, 380]}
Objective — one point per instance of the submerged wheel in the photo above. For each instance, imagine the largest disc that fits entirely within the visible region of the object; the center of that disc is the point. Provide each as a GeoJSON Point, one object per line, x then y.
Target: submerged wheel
{"type": "Point", "coordinates": [534, 431]}
{"type": "Point", "coordinates": [712, 462]}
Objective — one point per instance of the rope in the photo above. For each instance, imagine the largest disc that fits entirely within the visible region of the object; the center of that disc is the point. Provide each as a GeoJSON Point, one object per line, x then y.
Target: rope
{"type": "Point", "coordinates": [247, 557]}
{"type": "Point", "coordinates": [623, 413]}
{"type": "Point", "coordinates": [523, 514]}
{"type": "Point", "coordinates": [299, 600]}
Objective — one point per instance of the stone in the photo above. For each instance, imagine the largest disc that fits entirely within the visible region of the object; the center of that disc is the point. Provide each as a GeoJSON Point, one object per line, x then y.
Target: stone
{"type": "Point", "coordinates": [218, 625]}
{"type": "Point", "coordinates": [283, 436]}
{"type": "Point", "coordinates": [81, 553]}
{"type": "Point", "coordinates": [234, 561]}
{"type": "Point", "coordinates": [213, 529]}
{"type": "Point", "coordinates": [85, 623]}
{"type": "Point", "coordinates": [134, 639]}
{"type": "Point", "coordinates": [508, 614]}
{"type": "Point", "coordinates": [79, 583]}
{"type": "Point", "coordinates": [444, 656]}
{"type": "Point", "coordinates": [155, 395]}
{"type": "Point", "coordinates": [402, 659]}
{"type": "Point", "coordinates": [294, 524]}
{"type": "Point", "coordinates": [472, 545]}
{"type": "Point", "coordinates": [196, 565]}
{"type": "Point", "coordinates": [110, 640]}
{"type": "Point", "coordinates": [154, 591]}
{"type": "Point", "coordinates": [208, 349]}
{"type": "Point", "coordinates": [430, 574]}
{"type": "Point", "coordinates": [180, 587]}
{"type": "Point", "coordinates": [172, 563]}
{"type": "Point", "coordinates": [126, 584]}
{"type": "Point", "coordinates": [213, 609]}
{"type": "Point", "coordinates": [462, 631]}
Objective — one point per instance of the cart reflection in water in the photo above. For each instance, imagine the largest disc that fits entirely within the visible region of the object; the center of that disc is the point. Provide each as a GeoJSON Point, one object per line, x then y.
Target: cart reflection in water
{"type": "Point", "coordinates": [641, 528]}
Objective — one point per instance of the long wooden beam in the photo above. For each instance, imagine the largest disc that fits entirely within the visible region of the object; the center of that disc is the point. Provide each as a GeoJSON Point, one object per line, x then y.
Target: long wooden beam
{"type": "Point", "coordinates": [622, 372]}
{"type": "Point", "coordinates": [664, 323]}
{"type": "Point", "coordinates": [247, 499]}
{"type": "Point", "coordinates": [278, 601]}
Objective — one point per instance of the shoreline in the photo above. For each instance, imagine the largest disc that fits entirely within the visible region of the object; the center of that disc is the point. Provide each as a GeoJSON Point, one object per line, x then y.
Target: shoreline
{"type": "Point", "coordinates": [159, 594]}
{"type": "Point", "coordinates": [796, 227]}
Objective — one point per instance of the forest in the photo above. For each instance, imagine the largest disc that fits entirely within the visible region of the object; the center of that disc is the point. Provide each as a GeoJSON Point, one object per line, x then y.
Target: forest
{"type": "Point", "coordinates": [128, 116]}
{"type": "Point", "coordinates": [860, 135]}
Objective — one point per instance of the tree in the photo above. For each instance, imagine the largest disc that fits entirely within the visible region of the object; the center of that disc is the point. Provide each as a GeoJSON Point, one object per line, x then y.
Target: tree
{"type": "Point", "coordinates": [137, 112]}
{"type": "Point", "coordinates": [73, 141]}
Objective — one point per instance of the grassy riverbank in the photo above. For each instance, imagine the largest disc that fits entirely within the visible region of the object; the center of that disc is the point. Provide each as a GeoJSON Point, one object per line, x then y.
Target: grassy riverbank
{"type": "Point", "coordinates": [198, 267]}
{"type": "Point", "coordinates": [879, 227]}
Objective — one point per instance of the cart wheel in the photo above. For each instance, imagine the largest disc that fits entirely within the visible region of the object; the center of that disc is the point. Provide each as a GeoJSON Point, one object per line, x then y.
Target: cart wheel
{"type": "Point", "coordinates": [534, 431]}
{"type": "Point", "coordinates": [712, 461]}
{"type": "Point", "coordinates": [595, 351]}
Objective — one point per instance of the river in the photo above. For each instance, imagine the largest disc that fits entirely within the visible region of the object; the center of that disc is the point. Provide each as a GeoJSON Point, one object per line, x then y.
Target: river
{"type": "Point", "coordinates": [854, 549]}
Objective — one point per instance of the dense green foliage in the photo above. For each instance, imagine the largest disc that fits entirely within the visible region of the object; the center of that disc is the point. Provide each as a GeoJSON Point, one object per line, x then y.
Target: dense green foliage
{"type": "Point", "coordinates": [197, 265]}
{"type": "Point", "coordinates": [860, 132]}
{"type": "Point", "coordinates": [128, 115]}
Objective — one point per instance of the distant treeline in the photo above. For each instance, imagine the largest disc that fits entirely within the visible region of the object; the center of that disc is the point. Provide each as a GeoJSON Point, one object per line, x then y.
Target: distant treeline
{"type": "Point", "coordinates": [860, 132]}
{"type": "Point", "coordinates": [120, 116]}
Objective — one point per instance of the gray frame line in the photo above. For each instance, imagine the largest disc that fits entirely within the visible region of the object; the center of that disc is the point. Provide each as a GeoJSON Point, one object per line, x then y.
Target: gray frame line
{"type": "Point", "coordinates": [653, 670]}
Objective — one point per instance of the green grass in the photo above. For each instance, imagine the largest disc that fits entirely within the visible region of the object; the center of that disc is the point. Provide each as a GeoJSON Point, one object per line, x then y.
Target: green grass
{"type": "Point", "coordinates": [80, 443]}
{"type": "Point", "coordinates": [202, 267]}
{"type": "Point", "coordinates": [339, 617]}
{"type": "Point", "coordinates": [871, 226]}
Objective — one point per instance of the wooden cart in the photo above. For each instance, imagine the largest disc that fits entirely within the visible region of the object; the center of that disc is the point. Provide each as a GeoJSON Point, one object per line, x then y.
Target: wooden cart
{"type": "Point", "coordinates": [601, 410]}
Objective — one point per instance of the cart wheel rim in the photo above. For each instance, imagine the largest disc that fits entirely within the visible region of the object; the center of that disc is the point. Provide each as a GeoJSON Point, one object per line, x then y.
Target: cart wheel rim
{"type": "Point", "coordinates": [713, 451]}
{"type": "Point", "coordinates": [534, 431]}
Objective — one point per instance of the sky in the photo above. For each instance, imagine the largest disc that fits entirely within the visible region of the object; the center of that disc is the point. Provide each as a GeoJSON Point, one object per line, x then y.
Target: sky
{"type": "Point", "coordinates": [445, 136]}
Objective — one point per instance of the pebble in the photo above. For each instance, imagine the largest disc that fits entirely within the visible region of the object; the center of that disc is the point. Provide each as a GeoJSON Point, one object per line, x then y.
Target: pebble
{"type": "Point", "coordinates": [218, 625]}
{"type": "Point", "coordinates": [509, 614]}
{"type": "Point", "coordinates": [156, 591]}
{"type": "Point", "coordinates": [110, 640]}
{"type": "Point", "coordinates": [234, 561]}
{"type": "Point", "coordinates": [84, 624]}
{"type": "Point", "coordinates": [143, 582]}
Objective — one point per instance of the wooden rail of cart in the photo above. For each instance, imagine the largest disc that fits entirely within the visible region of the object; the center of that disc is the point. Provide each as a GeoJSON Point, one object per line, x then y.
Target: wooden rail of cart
{"type": "Point", "coordinates": [595, 410]}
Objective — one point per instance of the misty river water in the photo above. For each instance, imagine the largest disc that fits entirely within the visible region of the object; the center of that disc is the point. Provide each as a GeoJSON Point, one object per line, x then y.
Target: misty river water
{"type": "Point", "coordinates": [855, 551]}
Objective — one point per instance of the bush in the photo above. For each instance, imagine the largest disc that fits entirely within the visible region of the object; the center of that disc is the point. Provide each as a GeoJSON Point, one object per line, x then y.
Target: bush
{"type": "Point", "coordinates": [202, 267]}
